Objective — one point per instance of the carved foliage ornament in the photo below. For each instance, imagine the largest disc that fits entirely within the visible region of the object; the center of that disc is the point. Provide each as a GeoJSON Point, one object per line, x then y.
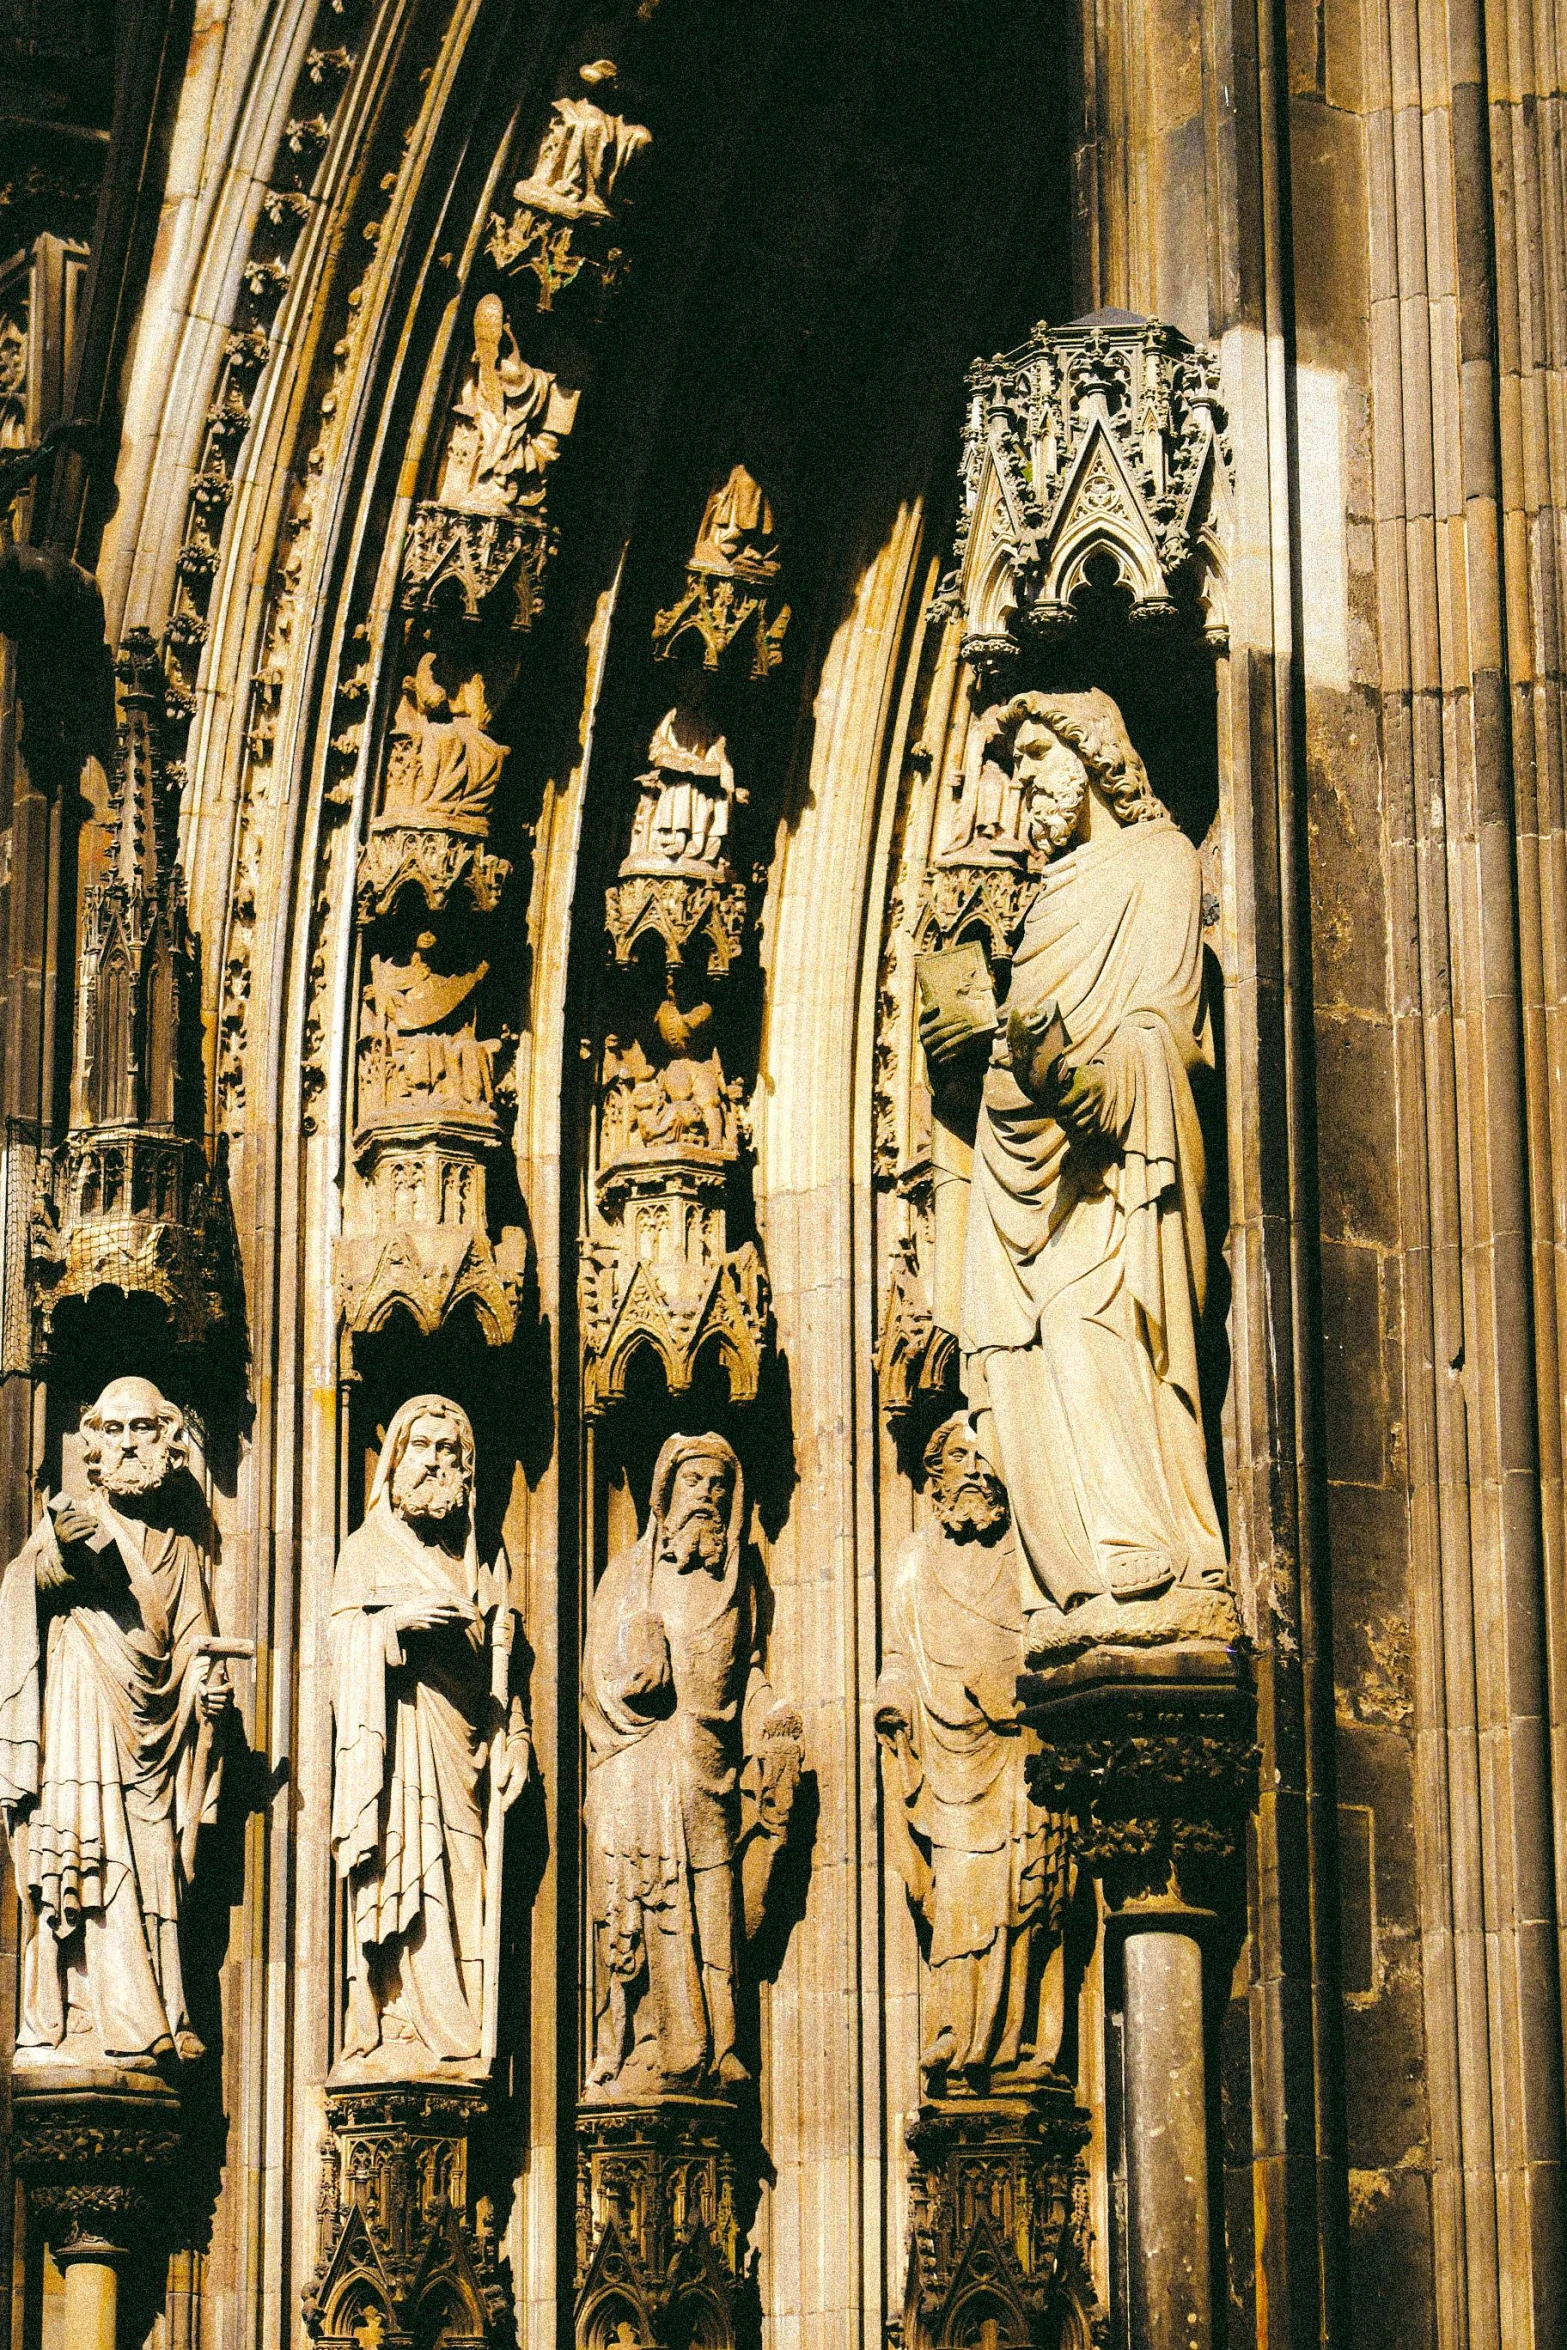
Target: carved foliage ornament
{"type": "Point", "coordinates": [1103, 439]}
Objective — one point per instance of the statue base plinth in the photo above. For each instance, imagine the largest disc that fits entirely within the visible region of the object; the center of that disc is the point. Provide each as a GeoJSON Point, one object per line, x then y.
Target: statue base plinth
{"type": "Point", "coordinates": [97, 2149]}
{"type": "Point", "coordinates": [401, 2233]}
{"type": "Point", "coordinates": [998, 2221]}
{"type": "Point", "coordinates": [661, 2187]}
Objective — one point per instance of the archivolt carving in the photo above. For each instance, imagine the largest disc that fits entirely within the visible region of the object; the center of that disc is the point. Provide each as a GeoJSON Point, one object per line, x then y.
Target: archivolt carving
{"type": "Point", "coordinates": [729, 582]}
{"type": "Point", "coordinates": [572, 200]}
{"type": "Point", "coordinates": [662, 1267]}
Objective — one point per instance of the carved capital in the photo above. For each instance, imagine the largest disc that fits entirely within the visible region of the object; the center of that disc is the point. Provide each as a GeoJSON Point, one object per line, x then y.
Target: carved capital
{"type": "Point", "coordinates": [682, 911]}
{"type": "Point", "coordinates": [435, 862]}
{"type": "Point", "coordinates": [721, 610]}
{"type": "Point", "coordinates": [1098, 441]}
{"type": "Point", "coordinates": [1153, 1753]}
{"type": "Point", "coordinates": [98, 2156]}
{"type": "Point", "coordinates": [564, 256]}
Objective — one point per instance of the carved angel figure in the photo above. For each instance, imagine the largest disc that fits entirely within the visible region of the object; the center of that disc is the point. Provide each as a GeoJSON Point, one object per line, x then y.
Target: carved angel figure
{"type": "Point", "coordinates": [1085, 1262]}
{"type": "Point", "coordinates": [431, 1749]}
{"type": "Point", "coordinates": [692, 1768]}
{"type": "Point", "coordinates": [114, 1690]}
{"type": "Point", "coordinates": [443, 768]}
{"type": "Point", "coordinates": [510, 421]}
{"type": "Point", "coordinates": [985, 1865]}
{"type": "Point", "coordinates": [584, 153]}
{"type": "Point", "coordinates": [686, 801]}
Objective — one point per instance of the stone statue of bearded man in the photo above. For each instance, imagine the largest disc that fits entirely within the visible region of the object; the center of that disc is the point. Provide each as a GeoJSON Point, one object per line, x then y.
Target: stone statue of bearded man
{"type": "Point", "coordinates": [109, 1698]}
{"type": "Point", "coordinates": [692, 1766]}
{"type": "Point", "coordinates": [431, 1750]}
{"type": "Point", "coordinates": [1085, 1263]}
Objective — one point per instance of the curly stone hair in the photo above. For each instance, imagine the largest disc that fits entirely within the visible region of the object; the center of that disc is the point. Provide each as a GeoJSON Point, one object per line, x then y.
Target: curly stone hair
{"type": "Point", "coordinates": [1091, 725]}
{"type": "Point", "coordinates": [171, 1423]}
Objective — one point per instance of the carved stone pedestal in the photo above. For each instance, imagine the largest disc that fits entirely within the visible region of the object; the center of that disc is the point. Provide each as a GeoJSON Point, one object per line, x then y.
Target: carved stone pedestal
{"type": "Point", "coordinates": [403, 2247]}
{"type": "Point", "coordinates": [1151, 1751]}
{"type": "Point", "coordinates": [661, 2259]}
{"type": "Point", "coordinates": [97, 2151]}
{"type": "Point", "coordinates": [998, 2225]}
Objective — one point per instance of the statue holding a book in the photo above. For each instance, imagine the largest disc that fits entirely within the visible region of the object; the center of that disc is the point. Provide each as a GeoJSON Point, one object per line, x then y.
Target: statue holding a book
{"type": "Point", "coordinates": [1084, 1265]}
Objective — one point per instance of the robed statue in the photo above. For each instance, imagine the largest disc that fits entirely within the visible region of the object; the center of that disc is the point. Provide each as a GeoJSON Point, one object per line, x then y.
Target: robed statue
{"type": "Point", "coordinates": [112, 1695]}
{"type": "Point", "coordinates": [692, 1766]}
{"type": "Point", "coordinates": [1084, 1268]}
{"type": "Point", "coordinates": [431, 1748]}
{"type": "Point", "coordinates": [985, 1866]}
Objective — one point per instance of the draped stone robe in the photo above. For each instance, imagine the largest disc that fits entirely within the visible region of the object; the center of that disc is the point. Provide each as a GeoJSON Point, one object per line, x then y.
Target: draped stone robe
{"type": "Point", "coordinates": [1085, 1264]}
{"type": "Point", "coordinates": [985, 1864]}
{"type": "Point", "coordinates": [413, 1719]}
{"type": "Point", "coordinates": [663, 1789]}
{"type": "Point", "coordinates": [100, 1677]}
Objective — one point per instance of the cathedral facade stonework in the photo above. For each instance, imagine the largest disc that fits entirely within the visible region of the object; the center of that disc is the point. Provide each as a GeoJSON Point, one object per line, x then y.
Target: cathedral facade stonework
{"type": "Point", "coordinates": [781, 1238]}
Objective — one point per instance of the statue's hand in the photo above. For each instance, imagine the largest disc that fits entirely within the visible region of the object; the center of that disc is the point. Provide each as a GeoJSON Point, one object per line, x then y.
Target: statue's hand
{"type": "Point", "coordinates": [72, 1523]}
{"type": "Point", "coordinates": [433, 1615]}
{"type": "Point", "coordinates": [511, 1762]}
{"type": "Point", "coordinates": [217, 1695]}
{"type": "Point", "coordinates": [1080, 1103]}
{"type": "Point", "coordinates": [950, 1038]}
{"type": "Point", "coordinates": [1036, 1042]}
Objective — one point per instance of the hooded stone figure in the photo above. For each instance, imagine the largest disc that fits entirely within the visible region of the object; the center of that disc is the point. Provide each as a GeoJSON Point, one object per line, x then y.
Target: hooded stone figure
{"type": "Point", "coordinates": [690, 1760]}
{"type": "Point", "coordinates": [106, 1688]}
{"type": "Point", "coordinates": [430, 1748]}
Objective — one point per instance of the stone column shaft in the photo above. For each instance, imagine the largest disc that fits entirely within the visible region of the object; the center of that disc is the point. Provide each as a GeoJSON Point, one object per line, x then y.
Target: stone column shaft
{"type": "Point", "coordinates": [1167, 2140]}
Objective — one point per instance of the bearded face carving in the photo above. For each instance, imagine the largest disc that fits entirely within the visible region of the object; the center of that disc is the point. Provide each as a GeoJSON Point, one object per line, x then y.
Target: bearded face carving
{"type": "Point", "coordinates": [428, 1727]}
{"type": "Point", "coordinates": [692, 1765]}
{"type": "Point", "coordinates": [115, 1694]}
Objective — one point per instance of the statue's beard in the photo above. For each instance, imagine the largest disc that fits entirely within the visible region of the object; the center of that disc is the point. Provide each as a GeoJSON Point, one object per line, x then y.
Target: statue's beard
{"type": "Point", "coordinates": [1053, 819]}
{"type": "Point", "coordinates": [697, 1538]}
{"type": "Point", "coordinates": [432, 1496]}
{"type": "Point", "coordinates": [132, 1479]}
{"type": "Point", "coordinates": [972, 1509]}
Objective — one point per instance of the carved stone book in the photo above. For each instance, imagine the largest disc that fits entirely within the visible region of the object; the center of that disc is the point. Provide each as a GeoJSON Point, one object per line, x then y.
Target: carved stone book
{"type": "Point", "coordinates": [956, 983]}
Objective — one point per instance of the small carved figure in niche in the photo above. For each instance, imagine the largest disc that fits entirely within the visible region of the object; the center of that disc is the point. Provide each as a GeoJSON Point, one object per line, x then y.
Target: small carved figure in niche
{"type": "Point", "coordinates": [431, 1749]}
{"type": "Point", "coordinates": [692, 1768]}
{"type": "Point", "coordinates": [115, 1694]}
{"type": "Point", "coordinates": [584, 153]}
{"type": "Point", "coordinates": [986, 1867]}
{"type": "Point", "coordinates": [738, 533]}
{"type": "Point", "coordinates": [991, 822]}
{"type": "Point", "coordinates": [418, 1045]}
{"type": "Point", "coordinates": [686, 801]}
{"type": "Point", "coordinates": [511, 420]}
{"type": "Point", "coordinates": [649, 1105]}
{"type": "Point", "coordinates": [13, 384]}
{"type": "Point", "coordinates": [443, 767]}
{"type": "Point", "coordinates": [1085, 1263]}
